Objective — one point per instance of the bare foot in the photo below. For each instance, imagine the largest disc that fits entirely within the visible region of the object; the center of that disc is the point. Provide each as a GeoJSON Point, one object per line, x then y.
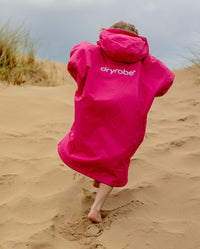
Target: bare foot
{"type": "Point", "coordinates": [96, 184]}
{"type": "Point", "coordinates": [95, 216]}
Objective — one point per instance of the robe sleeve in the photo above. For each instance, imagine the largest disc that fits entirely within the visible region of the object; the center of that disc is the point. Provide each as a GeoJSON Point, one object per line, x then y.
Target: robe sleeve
{"type": "Point", "coordinates": [79, 64]}
{"type": "Point", "coordinates": [161, 76]}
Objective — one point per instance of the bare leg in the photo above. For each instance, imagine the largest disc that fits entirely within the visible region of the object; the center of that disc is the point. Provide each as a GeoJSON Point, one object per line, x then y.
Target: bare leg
{"type": "Point", "coordinates": [102, 194]}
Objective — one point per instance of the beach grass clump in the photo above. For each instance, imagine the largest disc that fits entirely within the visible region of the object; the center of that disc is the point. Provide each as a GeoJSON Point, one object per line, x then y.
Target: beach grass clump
{"type": "Point", "coordinates": [196, 68]}
{"type": "Point", "coordinates": [194, 60]}
{"type": "Point", "coordinates": [17, 57]}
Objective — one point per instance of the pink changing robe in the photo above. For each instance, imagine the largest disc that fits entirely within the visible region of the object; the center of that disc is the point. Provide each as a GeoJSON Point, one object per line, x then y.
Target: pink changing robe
{"type": "Point", "coordinates": [117, 81]}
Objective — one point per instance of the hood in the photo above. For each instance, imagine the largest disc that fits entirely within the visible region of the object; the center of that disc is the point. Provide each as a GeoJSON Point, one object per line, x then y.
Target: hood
{"type": "Point", "coordinates": [123, 46]}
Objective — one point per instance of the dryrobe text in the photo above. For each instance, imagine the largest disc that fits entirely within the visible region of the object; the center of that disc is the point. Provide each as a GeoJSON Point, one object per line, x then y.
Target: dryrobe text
{"type": "Point", "coordinates": [118, 71]}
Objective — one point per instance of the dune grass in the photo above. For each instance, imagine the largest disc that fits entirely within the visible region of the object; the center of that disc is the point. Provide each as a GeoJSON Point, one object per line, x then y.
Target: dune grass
{"type": "Point", "coordinates": [195, 61]}
{"type": "Point", "coordinates": [17, 58]}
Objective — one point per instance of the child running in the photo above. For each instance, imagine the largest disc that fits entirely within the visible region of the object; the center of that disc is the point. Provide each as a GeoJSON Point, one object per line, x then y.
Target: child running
{"type": "Point", "coordinates": [117, 80]}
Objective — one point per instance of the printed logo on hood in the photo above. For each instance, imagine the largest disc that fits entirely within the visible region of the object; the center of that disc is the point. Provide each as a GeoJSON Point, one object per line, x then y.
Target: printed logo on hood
{"type": "Point", "coordinates": [118, 71]}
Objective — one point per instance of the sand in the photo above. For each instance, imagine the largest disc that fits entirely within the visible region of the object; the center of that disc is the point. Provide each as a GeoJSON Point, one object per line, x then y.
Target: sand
{"type": "Point", "coordinates": [44, 204]}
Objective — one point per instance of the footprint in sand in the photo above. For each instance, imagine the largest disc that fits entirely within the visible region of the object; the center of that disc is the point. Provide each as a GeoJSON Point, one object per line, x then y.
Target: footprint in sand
{"type": "Point", "coordinates": [8, 179]}
{"type": "Point", "coordinates": [83, 228]}
{"type": "Point", "coordinates": [92, 245]}
{"type": "Point", "coordinates": [110, 215]}
{"type": "Point", "coordinates": [40, 245]}
{"type": "Point", "coordinates": [79, 229]}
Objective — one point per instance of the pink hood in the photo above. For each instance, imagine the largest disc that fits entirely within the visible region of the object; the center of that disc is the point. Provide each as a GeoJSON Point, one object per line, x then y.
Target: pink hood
{"type": "Point", "coordinates": [123, 46]}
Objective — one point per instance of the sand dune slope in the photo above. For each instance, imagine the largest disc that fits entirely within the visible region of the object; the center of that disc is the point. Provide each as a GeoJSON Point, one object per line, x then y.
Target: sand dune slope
{"type": "Point", "coordinates": [44, 204]}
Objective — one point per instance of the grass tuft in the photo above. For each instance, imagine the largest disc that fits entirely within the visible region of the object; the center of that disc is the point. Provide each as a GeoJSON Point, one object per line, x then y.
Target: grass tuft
{"type": "Point", "coordinates": [194, 61]}
{"type": "Point", "coordinates": [17, 58]}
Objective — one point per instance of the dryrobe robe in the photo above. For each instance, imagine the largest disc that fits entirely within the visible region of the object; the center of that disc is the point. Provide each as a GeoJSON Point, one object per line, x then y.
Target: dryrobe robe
{"type": "Point", "coordinates": [117, 80]}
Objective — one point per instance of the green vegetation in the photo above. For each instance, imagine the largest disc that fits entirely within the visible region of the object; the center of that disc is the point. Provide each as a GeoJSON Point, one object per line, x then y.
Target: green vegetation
{"type": "Point", "coordinates": [17, 58]}
{"type": "Point", "coordinates": [196, 70]}
{"type": "Point", "coordinates": [194, 61]}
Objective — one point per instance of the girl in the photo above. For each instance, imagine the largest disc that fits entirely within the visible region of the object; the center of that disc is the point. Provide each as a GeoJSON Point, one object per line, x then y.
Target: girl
{"type": "Point", "coordinates": [117, 80]}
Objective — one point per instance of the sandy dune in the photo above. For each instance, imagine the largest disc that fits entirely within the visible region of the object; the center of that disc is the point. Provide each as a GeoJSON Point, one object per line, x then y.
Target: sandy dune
{"type": "Point", "coordinates": [43, 204]}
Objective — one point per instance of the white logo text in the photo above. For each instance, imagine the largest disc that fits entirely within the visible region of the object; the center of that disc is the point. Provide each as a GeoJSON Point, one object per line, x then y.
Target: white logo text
{"type": "Point", "coordinates": [119, 71]}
